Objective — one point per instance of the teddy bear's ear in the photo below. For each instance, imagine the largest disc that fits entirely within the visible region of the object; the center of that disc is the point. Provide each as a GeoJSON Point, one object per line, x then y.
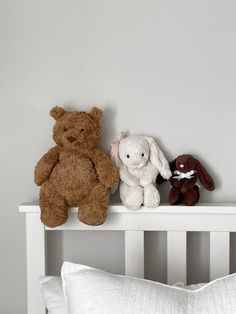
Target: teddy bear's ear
{"type": "Point", "coordinates": [96, 113]}
{"type": "Point", "coordinates": [56, 112]}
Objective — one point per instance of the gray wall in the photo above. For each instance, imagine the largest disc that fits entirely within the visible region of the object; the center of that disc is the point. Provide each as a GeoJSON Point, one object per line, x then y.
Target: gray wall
{"type": "Point", "coordinates": [164, 68]}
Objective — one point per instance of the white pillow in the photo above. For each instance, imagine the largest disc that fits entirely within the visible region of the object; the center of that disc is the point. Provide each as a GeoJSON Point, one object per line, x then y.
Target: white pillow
{"type": "Point", "coordinates": [53, 296]}
{"type": "Point", "coordinates": [90, 291]}
{"type": "Point", "coordinates": [54, 299]}
{"type": "Point", "coordinates": [194, 286]}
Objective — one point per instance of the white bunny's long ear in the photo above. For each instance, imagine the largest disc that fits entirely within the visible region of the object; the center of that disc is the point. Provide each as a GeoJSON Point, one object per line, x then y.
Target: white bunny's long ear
{"type": "Point", "coordinates": [114, 152]}
{"type": "Point", "coordinates": [158, 159]}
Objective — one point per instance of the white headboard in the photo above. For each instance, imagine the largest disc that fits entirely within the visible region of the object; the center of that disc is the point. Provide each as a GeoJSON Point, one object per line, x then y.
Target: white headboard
{"type": "Point", "coordinates": [218, 219]}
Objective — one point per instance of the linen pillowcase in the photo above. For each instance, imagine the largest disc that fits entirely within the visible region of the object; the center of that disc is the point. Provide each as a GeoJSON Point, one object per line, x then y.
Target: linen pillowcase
{"type": "Point", "coordinates": [194, 286]}
{"type": "Point", "coordinates": [53, 296]}
{"type": "Point", "coordinates": [90, 291]}
{"type": "Point", "coordinates": [54, 299]}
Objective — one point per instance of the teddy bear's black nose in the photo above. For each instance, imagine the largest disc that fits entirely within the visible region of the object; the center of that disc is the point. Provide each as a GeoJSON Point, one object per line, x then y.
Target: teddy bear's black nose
{"type": "Point", "coordinates": [71, 139]}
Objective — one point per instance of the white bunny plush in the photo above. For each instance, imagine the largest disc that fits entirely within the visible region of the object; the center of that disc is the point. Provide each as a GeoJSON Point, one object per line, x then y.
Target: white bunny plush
{"type": "Point", "coordinates": [139, 160]}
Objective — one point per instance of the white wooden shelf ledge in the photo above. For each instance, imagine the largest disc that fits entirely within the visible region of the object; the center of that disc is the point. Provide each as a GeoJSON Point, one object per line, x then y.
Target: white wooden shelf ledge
{"type": "Point", "coordinates": [202, 217]}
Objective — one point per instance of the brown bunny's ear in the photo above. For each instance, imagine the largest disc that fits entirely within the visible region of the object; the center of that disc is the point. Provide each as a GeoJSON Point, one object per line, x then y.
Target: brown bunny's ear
{"type": "Point", "coordinates": [56, 112]}
{"type": "Point", "coordinates": [204, 177]}
{"type": "Point", "coordinates": [173, 165]}
{"type": "Point", "coordinates": [96, 113]}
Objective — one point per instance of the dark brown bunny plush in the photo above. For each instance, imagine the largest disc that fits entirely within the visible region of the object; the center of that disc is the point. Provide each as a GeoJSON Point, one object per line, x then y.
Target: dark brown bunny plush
{"type": "Point", "coordinates": [74, 173]}
{"type": "Point", "coordinates": [186, 170]}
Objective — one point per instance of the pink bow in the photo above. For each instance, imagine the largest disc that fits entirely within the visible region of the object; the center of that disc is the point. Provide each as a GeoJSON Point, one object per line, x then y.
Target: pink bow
{"type": "Point", "coordinates": [115, 145]}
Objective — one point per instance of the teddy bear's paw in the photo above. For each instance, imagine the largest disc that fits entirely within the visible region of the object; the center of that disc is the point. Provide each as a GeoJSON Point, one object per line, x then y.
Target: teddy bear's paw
{"type": "Point", "coordinates": [42, 170]}
{"type": "Point", "coordinates": [109, 179]}
{"type": "Point", "coordinates": [92, 217]}
{"type": "Point", "coordinates": [53, 220]}
{"type": "Point", "coordinates": [41, 177]}
{"type": "Point", "coordinates": [151, 196]}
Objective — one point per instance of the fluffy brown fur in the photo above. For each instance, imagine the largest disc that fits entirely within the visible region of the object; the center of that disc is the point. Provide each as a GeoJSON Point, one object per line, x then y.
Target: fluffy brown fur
{"type": "Point", "coordinates": [75, 173]}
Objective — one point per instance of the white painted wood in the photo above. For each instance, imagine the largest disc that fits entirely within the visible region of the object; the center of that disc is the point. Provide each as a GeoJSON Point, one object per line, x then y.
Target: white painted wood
{"type": "Point", "coordinates": [219, 254]}
{"type": "Point", "coordinates": [157, 222]}
{"type": "Point", "coordinates": [219, 219]}
{"type": "Point", "coordinates": [164, 218]}
{"type": "Point", "coordinates": [35, 245]}
{"type": "Point", "coordinates": [176, 257]}
{"type": "Point", "coordinates": [211, 208]}
{"type": "Point", "coordinates": [134, 253]}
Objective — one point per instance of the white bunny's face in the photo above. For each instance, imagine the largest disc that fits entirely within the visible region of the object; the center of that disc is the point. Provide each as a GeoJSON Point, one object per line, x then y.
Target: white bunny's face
{"type": "Point", "coordinates": [134, 151]}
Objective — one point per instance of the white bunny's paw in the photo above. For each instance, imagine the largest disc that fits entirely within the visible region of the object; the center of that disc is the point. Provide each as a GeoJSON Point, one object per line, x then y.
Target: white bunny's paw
{"type": "Point", "coordinates": [132, 197]}
{"type": "Point", "coordinates": [166, 174]}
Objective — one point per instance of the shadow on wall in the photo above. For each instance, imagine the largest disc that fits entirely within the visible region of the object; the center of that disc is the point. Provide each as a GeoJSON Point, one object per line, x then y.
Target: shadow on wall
{"type": "Point", "coordinates": [109, 134]}
{"type": "Point", "coordinates": [108, 127]}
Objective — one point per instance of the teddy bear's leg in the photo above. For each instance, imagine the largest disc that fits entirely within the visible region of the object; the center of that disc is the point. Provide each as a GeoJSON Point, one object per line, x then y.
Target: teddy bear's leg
{"type": "Point", "coordinates": [131, 196]}
{"type": "Point", "coordinates": [151, 196]}
{"type": "Point", "coordinates": [93, 208]}
{"type": "Point", "coordinates": [192, 196]}
{"type": "Point", "coordinates": [54, 211]}
{"type": "Point", "coordinates": [174, 196]}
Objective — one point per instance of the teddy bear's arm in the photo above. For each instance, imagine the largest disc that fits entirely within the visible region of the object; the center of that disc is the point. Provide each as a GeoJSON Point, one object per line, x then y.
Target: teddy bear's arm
{"type": "Point", "coordinates": [107, 172]}
{"type": "Point", "coordinates": [45, 166]}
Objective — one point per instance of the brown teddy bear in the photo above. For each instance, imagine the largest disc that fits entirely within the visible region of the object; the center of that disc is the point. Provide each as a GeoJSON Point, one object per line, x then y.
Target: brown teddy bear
{"type": "Point", "coordinates": [74, 173]}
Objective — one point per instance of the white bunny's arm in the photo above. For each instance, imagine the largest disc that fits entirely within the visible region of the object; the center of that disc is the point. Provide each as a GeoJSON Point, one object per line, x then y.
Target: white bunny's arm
{"type": "Point", "coordinates": [149, 174]}
{"type": "Point", "coordinates": [128, 178]}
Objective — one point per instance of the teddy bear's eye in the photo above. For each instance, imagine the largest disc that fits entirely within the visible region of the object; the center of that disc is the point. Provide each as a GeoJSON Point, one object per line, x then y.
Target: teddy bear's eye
{"type": "Point", "coordinates": [127, 156]}
{"type": "Point", "coordinates": [82, 130]}
{"type": "Point", "coordinates": [142, 154]}
{"type": "Point", "coordinates": [65, 129]}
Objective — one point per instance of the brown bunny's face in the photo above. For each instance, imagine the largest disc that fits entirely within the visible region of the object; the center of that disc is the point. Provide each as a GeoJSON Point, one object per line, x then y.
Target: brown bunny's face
{"type": "Point", "coordinates": [76, 129]}
{"type": "Point", "coordinates": [185, 163]}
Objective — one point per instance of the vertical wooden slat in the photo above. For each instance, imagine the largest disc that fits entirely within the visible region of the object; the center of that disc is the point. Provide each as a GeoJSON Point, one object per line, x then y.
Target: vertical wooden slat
{"type": "Point", "coordinates": [176, 257]}
{"type": "Point", "coordinates": [35, 241]}
{"type": "Point", "coordinates": [219, 254]}
{"type": "Point", "coordinates": [134, 253]}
